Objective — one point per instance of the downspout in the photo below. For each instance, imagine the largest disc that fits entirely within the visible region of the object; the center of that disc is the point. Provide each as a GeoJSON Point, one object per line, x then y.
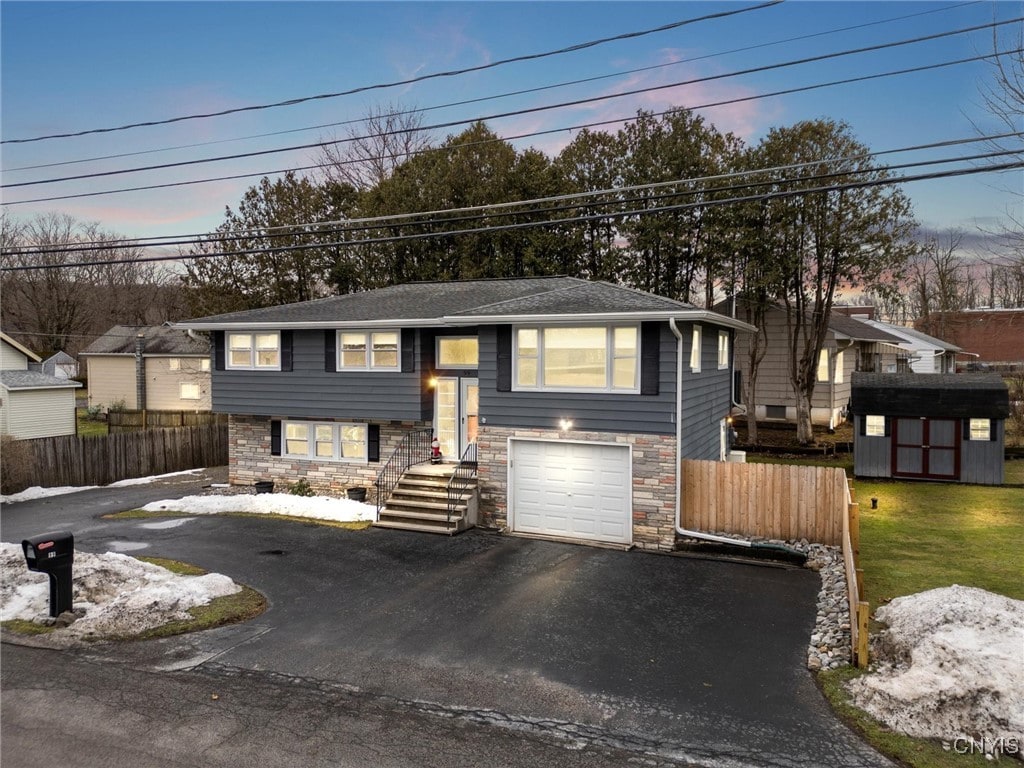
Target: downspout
{"type": "Point", "coordinates": [679, 466]}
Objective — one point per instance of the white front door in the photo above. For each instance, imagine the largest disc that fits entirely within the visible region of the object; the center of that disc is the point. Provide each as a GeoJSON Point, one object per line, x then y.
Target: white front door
{"type": "Point", "coordinates": [571, 489]}
{"type": "Point", "coordinates": [456, 405]}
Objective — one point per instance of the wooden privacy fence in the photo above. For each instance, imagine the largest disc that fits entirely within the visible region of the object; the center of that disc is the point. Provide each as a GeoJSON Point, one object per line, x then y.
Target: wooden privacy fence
{"type": "Point", "coordinates": [782, 501]}
{"type": "Point", "coordinates": [72, 460]}
{"type": "Point", "coordinates": [131, 421]}
{"type": "Point", "coordinates": [775, 501]}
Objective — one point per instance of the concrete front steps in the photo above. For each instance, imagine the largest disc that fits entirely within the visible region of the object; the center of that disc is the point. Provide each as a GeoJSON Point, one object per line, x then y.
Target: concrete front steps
{"type": "Point", "coordinates": [420, 502]}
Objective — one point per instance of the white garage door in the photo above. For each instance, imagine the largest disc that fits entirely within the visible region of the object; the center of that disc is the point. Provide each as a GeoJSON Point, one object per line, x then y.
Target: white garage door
{"type": "Point", "coordinates": [574, 490]}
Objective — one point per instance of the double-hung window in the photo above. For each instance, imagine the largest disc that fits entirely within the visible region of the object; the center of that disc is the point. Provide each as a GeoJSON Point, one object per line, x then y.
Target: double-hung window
{"type": "Point", "coordinates": [325, 441]}
{"type": "Point", "coordinates": [580, 359]}
{"type": "Point", "coordinates": [723, 350]}
{"type": "Point", "coordinates": [254, 351]}
{"type": "Point", "coordinates": [696, 350]}
{"type": "Point", "coordinates": [188, 391]}
{"type": "Point", "coordinates": [368, 350]}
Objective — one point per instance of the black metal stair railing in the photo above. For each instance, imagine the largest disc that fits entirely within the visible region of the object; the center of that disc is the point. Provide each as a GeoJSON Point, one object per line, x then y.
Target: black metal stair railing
{"type": "Point", "coordinates": [462, 479]}
{"type": "Point", "coordinates": [414, 448]}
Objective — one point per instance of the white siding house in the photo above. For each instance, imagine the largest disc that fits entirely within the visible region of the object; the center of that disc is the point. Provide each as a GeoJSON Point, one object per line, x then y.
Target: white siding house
{"type": "Point", "coordinates": [32, 403]}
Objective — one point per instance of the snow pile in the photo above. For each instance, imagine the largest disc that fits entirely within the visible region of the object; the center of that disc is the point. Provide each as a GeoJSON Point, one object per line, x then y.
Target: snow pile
{"type": "Point", "coordinates": [38, 492]}
{"type": "Point", "coordinates": [316, 507]}
{"type": "Point", "coordinates": [951, 665]}
{"type": "Point", "coordinates": [119, 595]}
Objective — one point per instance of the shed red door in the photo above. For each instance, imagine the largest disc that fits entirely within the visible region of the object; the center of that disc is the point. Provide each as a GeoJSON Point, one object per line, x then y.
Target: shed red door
{"type": "Point", "coordinates": [928, 448]}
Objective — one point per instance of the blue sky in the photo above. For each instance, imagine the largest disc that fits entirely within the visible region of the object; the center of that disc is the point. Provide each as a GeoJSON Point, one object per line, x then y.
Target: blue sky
{"type": "Point", "coordinates": [73, 66]}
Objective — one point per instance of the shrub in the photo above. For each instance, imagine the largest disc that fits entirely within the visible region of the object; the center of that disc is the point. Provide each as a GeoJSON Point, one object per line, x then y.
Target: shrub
{"type": "Point", "coordinates": [301, 488]}
{"type": "Point", "coordinates": [16, 457]}
{"type": "Point", "coordinates": [94, 412]}
{"type": "Point", "coordinates": [118, 406]}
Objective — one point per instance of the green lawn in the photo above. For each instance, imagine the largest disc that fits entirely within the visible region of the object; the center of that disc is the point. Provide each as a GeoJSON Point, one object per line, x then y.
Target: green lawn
{"type": "Point", "coordinates": [87, 427]}
{"type": "Point", "coordinates": [926, 535]}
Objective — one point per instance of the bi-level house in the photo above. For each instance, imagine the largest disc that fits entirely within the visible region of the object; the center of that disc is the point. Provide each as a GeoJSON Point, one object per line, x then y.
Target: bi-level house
{"type": "Point", "coordinates": [570, 402]}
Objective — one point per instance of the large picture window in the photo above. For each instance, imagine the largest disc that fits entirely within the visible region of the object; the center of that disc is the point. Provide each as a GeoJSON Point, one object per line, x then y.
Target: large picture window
{"type": "Point", "coordinates": [325, 441]}
{"type": "Point", "coordinates": [581, 359]}
{"type": "Point", "coordinates": [254, 351]}
{"type": "Point", "coordinates": [368, 351]}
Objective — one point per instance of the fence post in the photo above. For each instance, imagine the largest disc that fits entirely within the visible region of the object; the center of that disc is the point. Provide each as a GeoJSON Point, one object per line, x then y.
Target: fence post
{"type": "Point", "coordinates": [861, 652]}
{"type": "Point", "coordinates": [854, 512]}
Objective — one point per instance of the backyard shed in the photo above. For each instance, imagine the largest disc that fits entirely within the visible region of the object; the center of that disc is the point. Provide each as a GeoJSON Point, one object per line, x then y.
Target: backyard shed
{"type": "Point", "coordinates": [938, 427]}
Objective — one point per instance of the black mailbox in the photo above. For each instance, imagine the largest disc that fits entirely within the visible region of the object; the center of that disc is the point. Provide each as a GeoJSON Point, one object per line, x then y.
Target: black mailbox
{"type": "Point", "coordinates": [54, 554]}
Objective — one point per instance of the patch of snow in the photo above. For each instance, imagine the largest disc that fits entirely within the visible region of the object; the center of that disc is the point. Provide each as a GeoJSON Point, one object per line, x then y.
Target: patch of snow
{"type": "Point", "coordinates": [152, 478]}
{"type": "Point", "coordinates": [119, 595]}
{"type": "Point", "coordinates": [950, 666]}
{"type": "Point", "coordinates": [316, 507]}
{"type": "Point", "coordinates": [37, 492]}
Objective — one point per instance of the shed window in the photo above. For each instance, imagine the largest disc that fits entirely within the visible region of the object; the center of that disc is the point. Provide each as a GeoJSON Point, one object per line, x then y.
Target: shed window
{"type": "Point", "coordinates": [874, 426]}
{"type": "Point", "coordinates": [980, 429]}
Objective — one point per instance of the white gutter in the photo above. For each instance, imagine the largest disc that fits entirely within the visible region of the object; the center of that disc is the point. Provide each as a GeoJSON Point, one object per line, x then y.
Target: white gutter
{"type": "Point", "coordinates": [679, 451]}
{"type": "Point", "coordinates": [695, 315]}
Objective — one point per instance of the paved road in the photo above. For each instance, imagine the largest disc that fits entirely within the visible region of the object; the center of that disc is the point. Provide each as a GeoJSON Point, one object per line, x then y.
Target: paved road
{"type": "Point", "coordinates": [687, 659]}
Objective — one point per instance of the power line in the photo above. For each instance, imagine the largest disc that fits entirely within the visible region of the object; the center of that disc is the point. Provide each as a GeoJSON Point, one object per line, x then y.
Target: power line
{"type": "Point", "coordinates": [529, 110]}
{"type": "Point", "coordinates": [595, 124]}
{"type": "Point", "coordinates": [551, 222]}
{"type": "Point", "coordinates": [521, 92]}
{"type": "Point", "coordinates": [348, 225]}
{"type": "Point", "coordinates": [409, 81]}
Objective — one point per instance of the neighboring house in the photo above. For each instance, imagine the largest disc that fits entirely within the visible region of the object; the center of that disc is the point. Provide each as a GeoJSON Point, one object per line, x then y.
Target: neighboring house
{"type": "Point", "coordinates": [32, 403]}
{"type": "Point", "coordinates": [149, 367]}
{"type": "Point", "coordinates": [61, 364]}
{"type": "Point", "coordinates": [988, 337]}
{"type": "Point", "coordinates": [571, 394]}
{"type": "Point", "coordinates": [850, 345]}
{"type": "Point", "coordinates": [927, 353]}
{"type": "Point", "coordinates": [940, 427]}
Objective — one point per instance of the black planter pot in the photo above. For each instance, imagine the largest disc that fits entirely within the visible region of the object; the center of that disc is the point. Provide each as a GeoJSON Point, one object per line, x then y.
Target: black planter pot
{"type": "Point", "coordinates": [264, 486]}
{"type": "Point", "coordinates": [356, 494]}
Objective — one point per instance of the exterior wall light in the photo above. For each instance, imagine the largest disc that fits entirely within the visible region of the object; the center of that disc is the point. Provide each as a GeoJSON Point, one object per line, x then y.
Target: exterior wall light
{"type": "Point", "coordinates": [565, 424]}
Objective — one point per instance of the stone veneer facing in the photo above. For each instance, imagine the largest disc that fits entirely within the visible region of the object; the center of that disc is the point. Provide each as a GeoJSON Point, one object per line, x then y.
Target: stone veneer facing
{"type": "Point", "coordinates": [654, 478]}
{"type": "Point", "coordinates": [249, 457]}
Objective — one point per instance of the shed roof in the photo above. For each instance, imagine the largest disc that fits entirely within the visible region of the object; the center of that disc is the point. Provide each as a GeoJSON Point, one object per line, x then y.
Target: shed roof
{"type": "Point", "coordinates": [956, 395]}
{"type": "Point", "coordinates": [34, 380]}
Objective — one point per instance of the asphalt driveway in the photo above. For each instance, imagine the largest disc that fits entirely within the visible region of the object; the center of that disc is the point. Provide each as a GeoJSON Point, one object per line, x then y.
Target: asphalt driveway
{"type": "Point", "coordinates": [698, 659]}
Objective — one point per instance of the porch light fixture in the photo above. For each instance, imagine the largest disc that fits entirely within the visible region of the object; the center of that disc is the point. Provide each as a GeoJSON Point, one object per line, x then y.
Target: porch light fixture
{"type": "Point", "coordinates": [432, 382]}
{"type": "Point", "coordinates": [565, 424]}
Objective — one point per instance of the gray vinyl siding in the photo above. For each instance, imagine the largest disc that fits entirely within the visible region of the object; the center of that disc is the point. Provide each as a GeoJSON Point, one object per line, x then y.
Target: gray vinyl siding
{"type": "Point", "coordinates": [872, 455]}
{"type": "Point", "coordinates": [706, 396]}
{"type": "Point", "coordinates": [981, 461]}
{"type": "Point", "coordinates": [596, 412]}
{"type": "Point", "coordinates": [309, 391]}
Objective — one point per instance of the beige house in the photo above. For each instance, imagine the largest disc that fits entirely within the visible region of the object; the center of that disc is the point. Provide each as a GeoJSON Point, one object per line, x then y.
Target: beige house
{"type": "Point", "coordinates": [154, 368]}
{"type": "Point", "coordinates": [850, 345]}
{"type": "Point", "coordinates": [32, 403]}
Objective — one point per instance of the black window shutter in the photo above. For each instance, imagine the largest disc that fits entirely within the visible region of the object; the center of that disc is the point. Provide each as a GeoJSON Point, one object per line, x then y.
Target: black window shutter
{"type": "Point", "coordinates": [888, 425]}
{"type": "Point", "coordinates": [650, 353]}
{"type": "Point", "coordinates": [993, 427]}
{"type": "Point", "coordinates": [275, 437]}
{"type": "Point", "coordinates": [503, 375]}
{"type": "Point", "coordinates": [218, 350]}
{"type": "Point", "coordinates": [331, 351]}
{"type": "Point", "coordinates": [408, 341]}
{"type": "Point", "coordinates": [863, 431]}
{"type": "Point", "coordinates": [286, 350]}
{"type": "Point", "coordinates": [373, 442]}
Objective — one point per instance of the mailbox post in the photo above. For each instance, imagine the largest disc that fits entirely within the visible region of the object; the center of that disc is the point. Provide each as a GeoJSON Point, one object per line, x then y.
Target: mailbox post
{"type": "Point", "coordinates": [53, 554]}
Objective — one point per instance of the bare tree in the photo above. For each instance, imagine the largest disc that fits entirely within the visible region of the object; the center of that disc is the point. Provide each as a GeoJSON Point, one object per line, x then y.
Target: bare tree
{"type": "Point", "coordinates": [371, 150]}
{"type": "Point", "coordinates": [939, 281]}
{"type": "Point", "coordinates": [57, 299]}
